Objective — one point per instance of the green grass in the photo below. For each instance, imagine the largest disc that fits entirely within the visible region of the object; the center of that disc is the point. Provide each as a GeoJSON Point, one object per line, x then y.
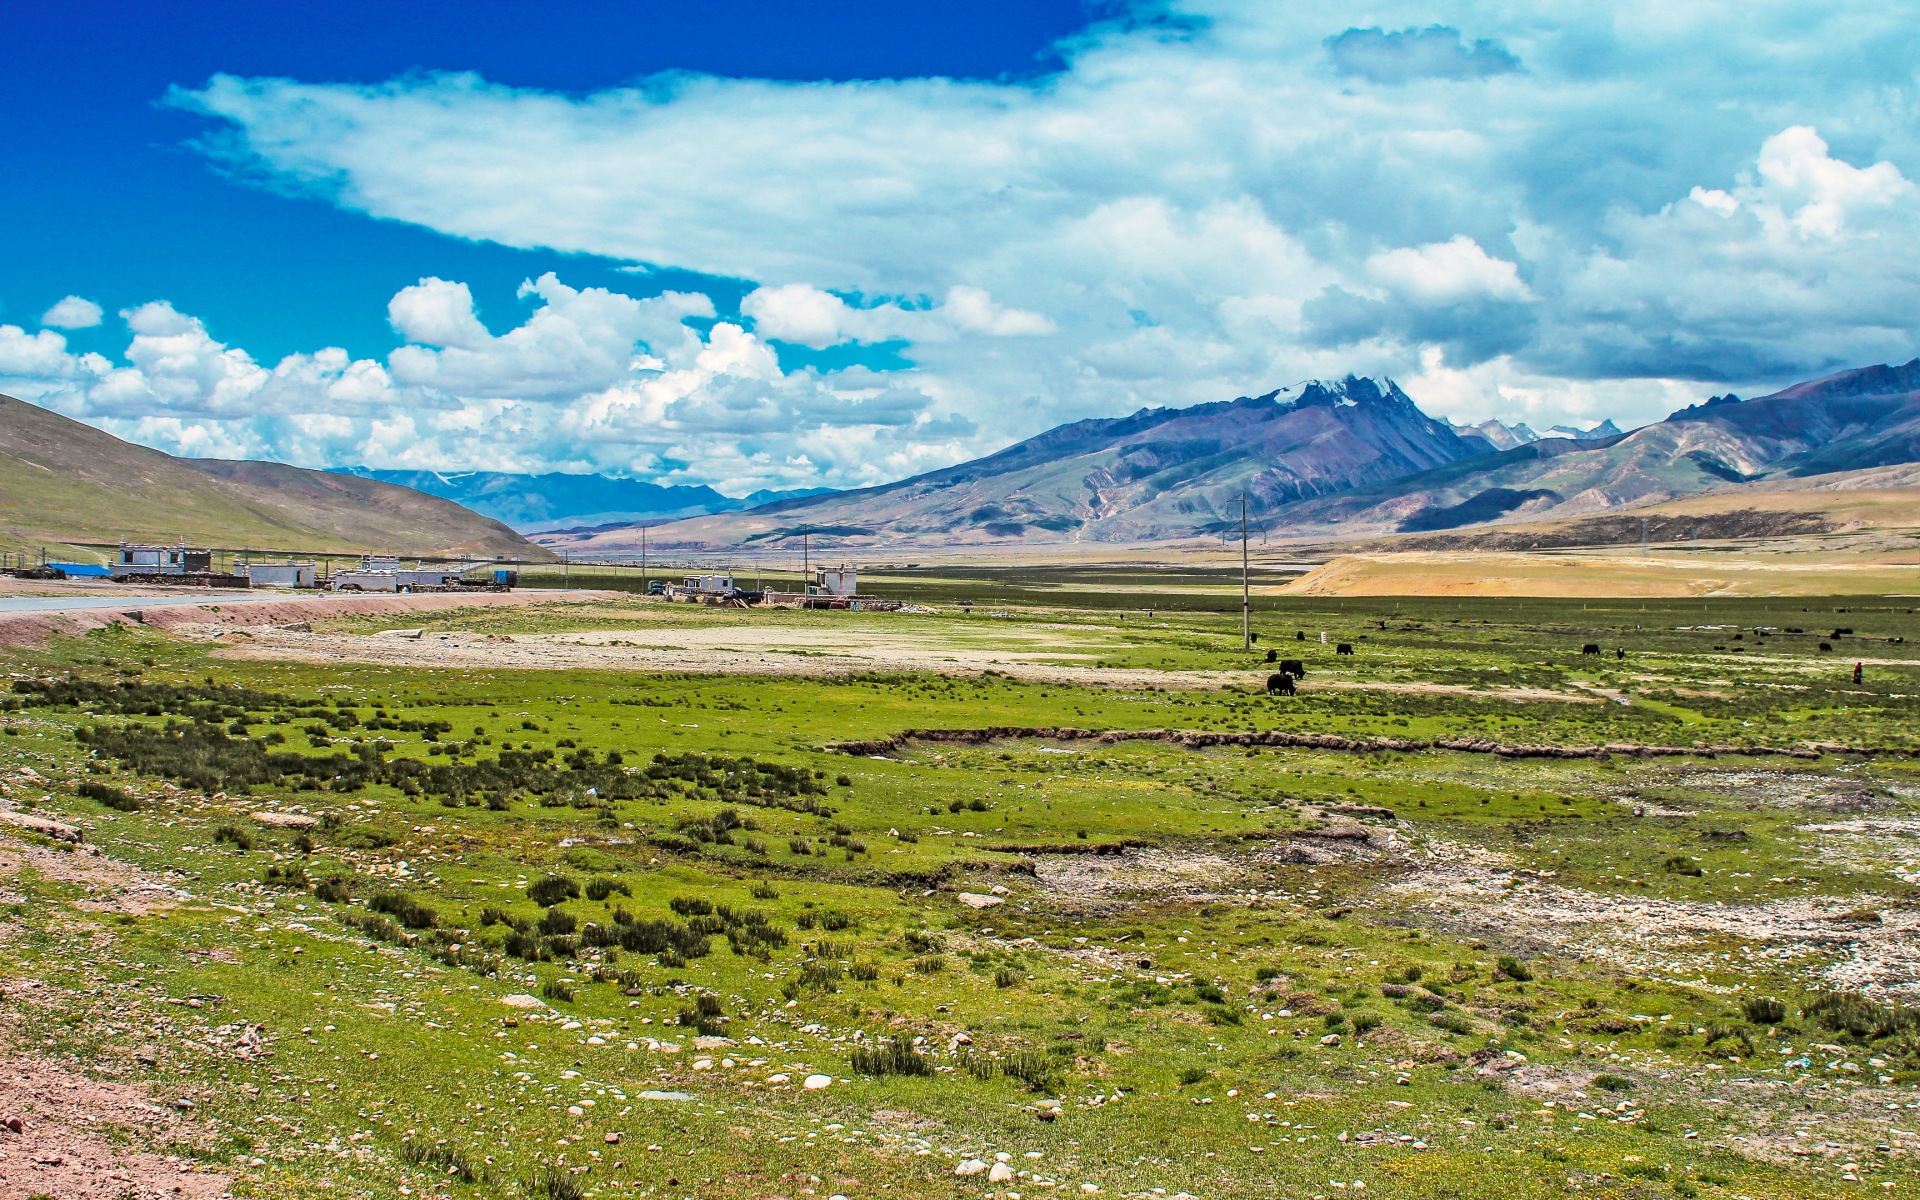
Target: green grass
{"type": "Point", "coordinates": [1151, 1015]}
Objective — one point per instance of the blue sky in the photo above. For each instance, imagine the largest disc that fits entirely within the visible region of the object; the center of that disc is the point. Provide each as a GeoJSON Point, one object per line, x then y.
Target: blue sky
{"type": "Point", "coordinates": [772, 245]}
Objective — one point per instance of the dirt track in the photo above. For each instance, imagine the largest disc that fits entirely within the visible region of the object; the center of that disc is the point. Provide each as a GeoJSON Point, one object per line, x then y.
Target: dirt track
{"type": "Point", "coordinates": [35, 628]}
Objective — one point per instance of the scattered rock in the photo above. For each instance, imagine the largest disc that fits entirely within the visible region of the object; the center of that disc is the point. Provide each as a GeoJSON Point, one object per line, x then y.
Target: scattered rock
{"type": "Point", "coordinates": [814, 1083]}
{"type": "Point", "coordinates": [1337, 831]}
{"type": "Point", "coordinates": [976, 900]}
{"type": "Point", "coordinates": [278, 820]}
{"type": "Point", "coordinates": [1361, 810]}
{"type": "Point", "coordinates": [47, 828]}
{"type": "Point", "coordinates": [1000, 1173]}
{"type": "Point", "coordinates": [522, 1000]}
{"type": "Point", "coordinates": [971, 1166]}
{"type": "Point", "coordinates": [612, 1139]}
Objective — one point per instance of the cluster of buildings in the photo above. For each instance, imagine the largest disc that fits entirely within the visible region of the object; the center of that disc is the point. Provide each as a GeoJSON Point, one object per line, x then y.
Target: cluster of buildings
{"type": "Point", "coordinates": [376, 573]}
{"type": "Point", "coordinates": [837, 587]}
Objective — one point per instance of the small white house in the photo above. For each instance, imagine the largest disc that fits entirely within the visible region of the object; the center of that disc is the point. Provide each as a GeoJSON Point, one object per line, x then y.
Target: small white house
{"type": "Point", "coordinates": [160, 560]}
{"type": "Point", "coordinates": [842, 581]}
{"type": "Point", "coordinates": [286, 575]}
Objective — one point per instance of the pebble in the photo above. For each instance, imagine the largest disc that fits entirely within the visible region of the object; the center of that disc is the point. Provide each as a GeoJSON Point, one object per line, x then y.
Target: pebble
{"type": "Point", "coordinates": [814, 1083]}
{"type": "Point", "coordinates": [971, 1166]}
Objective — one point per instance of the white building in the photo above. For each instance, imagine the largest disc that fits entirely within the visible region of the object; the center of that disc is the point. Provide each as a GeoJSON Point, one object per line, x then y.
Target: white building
{"type": "Point", "coordinates": [287, 574]}
{"type": "Point", "coordinates": [841, 581]}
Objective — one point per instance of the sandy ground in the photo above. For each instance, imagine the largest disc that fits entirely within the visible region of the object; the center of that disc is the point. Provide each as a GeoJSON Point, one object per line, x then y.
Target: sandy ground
{"type": "Point", "coordinates": [765, 650]}
{"type": "Point", "coordinates": [73, 1128]}
{"type": "Point", "coordinates": [65, 1147]}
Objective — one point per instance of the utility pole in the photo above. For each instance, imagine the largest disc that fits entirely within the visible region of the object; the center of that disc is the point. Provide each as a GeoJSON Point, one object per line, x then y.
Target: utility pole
{"type": "Point", "coordinates": [1246, 593]}
{"type": "Point", "coordinates": [566, 571]}
{"type": "Point", "coordinates": [806, 561]}
{"type": "Point", "coordinates": [643, 559]}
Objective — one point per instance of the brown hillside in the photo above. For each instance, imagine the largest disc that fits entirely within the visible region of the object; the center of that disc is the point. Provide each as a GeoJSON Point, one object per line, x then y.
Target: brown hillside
{"type": "Point", "coordinates": [65, 482]}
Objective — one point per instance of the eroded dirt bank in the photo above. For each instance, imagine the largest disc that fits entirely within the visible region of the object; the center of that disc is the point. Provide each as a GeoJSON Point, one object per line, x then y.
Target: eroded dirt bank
{"type": "Point", "coordinates": [35, 628]}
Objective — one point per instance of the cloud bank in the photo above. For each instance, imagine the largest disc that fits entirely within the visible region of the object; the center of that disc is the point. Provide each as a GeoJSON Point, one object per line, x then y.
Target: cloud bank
{"type": "Point", "coordinates": [592, 380]}
{"type": "Point", "coordinates": [1553, 211]}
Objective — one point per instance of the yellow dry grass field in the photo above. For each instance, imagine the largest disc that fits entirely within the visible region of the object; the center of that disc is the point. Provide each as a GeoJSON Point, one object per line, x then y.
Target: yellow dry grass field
{"type": "Point", "coordinates": [1660, 574]}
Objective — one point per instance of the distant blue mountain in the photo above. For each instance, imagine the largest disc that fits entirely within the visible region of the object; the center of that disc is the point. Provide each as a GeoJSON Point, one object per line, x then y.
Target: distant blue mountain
{"type": "Point", "coordinates": [557, 500]}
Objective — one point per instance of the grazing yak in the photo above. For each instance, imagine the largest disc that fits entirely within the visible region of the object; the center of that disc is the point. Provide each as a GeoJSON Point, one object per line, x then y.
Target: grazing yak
{"type": "Point", "coordinates": [1590, 648]}
{"type": "Point", "coordinates": [1343, 648]}
{"type": "Point", "coordinates": [1280, 685]}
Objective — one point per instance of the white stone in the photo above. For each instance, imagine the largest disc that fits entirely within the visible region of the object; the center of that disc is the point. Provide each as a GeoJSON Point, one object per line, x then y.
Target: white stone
{"type": "Point", "coordinates": [971, 1166]}
{"type": "Point", "coordinates": [782, 1077]}
{"type": "Point", "coordinates": [277, 820]}
{"type": "Point", "coordinates": [976, 900]}
{"type": "Point", "coordinates": [814, 1083]}
{"type": "Point", "coordinates": [1000, 1173]}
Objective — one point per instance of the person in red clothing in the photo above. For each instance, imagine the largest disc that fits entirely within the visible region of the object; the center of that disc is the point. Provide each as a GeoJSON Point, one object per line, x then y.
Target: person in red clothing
{"type": "Point", "coordinates": [1859, 671]}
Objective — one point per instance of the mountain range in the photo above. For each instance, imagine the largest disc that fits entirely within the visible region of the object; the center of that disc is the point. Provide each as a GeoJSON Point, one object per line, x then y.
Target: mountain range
{"type": "Point", "coordinates": [571, 502]}
{"type": "Point", "coordinates": [1335, 458]}
{"type": "Point", "coordinates": [1321, 460]}
{"type": "Point", "coordinates": [67, 483]}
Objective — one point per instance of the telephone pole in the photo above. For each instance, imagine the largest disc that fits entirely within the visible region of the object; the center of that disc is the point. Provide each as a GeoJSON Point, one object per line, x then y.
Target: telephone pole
{"type": "Point", "coordinates": [806, 561]}
{"type": "Point", "coordinates": [1246, 593]}
{"type": "Point", "coordinates": [643, 559]}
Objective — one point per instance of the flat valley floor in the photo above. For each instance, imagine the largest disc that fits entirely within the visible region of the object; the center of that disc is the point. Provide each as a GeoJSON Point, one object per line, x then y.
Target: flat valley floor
{"type": "Point", "coordinates": [618, 898]}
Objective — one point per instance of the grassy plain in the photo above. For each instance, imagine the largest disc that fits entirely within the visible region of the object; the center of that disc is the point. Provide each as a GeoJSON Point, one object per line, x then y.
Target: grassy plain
{"type": "Point", "coordinates": [1131, 967]}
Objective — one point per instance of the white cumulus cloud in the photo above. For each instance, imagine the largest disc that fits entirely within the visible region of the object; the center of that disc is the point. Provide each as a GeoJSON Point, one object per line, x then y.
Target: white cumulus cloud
{"type": "Point", "coordinates": [1447, 273]}
{"type": "Point", "coordinates": [808, 316]}
{"type": "Point", "coordinates": [589, 380]}
{"type": "Point", "coordinates": [73, 312]}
